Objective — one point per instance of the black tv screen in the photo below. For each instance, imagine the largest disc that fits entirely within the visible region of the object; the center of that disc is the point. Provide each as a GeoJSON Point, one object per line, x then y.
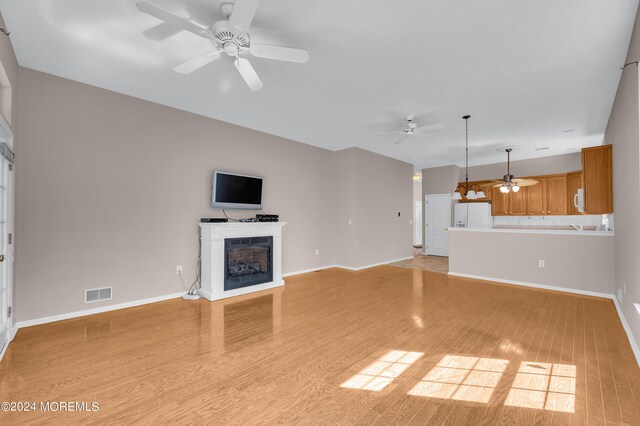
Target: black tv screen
{"type": "Point", "coordinates": [234, 191]}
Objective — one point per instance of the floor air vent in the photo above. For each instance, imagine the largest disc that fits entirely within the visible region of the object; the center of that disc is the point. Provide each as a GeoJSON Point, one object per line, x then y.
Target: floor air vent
{"type": "Point", "coordinates": [97, 294]}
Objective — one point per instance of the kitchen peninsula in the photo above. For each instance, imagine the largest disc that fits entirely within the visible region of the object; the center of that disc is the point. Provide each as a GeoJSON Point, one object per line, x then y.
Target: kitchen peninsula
{"type": "Point", "coordinates": [569, 260]}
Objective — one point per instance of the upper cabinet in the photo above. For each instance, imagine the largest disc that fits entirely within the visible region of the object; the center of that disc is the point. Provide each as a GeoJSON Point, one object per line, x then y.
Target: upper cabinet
{"type": "Point", "coordinates": [597, 178]}
{"type": "Point", "coordinates": [556, 194]}
{"type": "Point", "coordinates": [499, 203]}
{"type": "Point", "coordinates": [536, 196]}
{"type": "Point", "coordinates": [548, 196]}
{"type": "Point", "coordinates": [517, 202]}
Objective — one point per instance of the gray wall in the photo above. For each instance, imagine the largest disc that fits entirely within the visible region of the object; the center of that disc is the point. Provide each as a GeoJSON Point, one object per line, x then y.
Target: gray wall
{"type": "Point", "coordinates": [110, 190]}
{"type": "Point", "coordinates": [623, 132]}
{"type": "Point", "coordinates": [440, 180]}
{"type": "Point", "coordinates": [532, 167]}
{"type": "Point", "coordinates": [578, 262]}
{"type": "Point", "coordinates": [384, 190]}
{"type": "Point", "coordinates": [372, 192]}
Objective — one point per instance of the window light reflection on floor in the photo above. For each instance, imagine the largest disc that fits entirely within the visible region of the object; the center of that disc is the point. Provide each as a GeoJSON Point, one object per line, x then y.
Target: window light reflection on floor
{"type": "Point", "coordinates": [462, 378]}
{"type": "Point", "coordinates": [383, 371]}
{"type": "Point", "coordinates": [544, 386]}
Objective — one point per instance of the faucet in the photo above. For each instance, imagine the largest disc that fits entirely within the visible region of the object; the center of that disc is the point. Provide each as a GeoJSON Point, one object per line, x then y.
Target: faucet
{"type": "Point", "coordinates": [577, 228]}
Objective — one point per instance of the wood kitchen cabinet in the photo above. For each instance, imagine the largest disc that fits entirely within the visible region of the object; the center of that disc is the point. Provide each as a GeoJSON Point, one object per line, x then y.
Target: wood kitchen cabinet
{"type": "Point", "coordinates": [597, 178]}
{"type": "Point", "coordinates": [517, 202]}
{"type": "Point", "coordinates": [498, 203]}
{"type": "Point", "coordinates": [574, 182]}
{"type": "Point", "coordinates": [509, 204]}
{"type": "Point", "coordinates": [536, 195]}
{"type": "Point", "coordinates": [556, 194]}
{"type": "Point", "coordinates": [548, 196]}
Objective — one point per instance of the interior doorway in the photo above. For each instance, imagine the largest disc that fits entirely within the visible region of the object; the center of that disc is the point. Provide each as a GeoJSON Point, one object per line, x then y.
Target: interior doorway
{"type": "Point", "coordinates": [438, 219]}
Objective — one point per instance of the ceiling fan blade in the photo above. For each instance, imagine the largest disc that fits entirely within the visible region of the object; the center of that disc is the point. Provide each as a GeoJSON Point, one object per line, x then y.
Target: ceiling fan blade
{"type": "Point", "coordinates": [161, 31]}
{"type": "Point", "coordinates": [198, 62]}
{"type": "Point", "coordinates": [248, 74]}
{"type": "Point", "coordinates": [172, 19]}
{"type": "Point", "coordinates": [402, 138]}
{"type": "Point", "coordinates": [525, 182]}
{"type": "Point", "coordinates": [279, 53]}
{"type": "Point", "coordinates": [389, 133]}
{"type": "Point", "coordinates": [243, 13]}
{"type": "Point", "coordinates": [430, 128]}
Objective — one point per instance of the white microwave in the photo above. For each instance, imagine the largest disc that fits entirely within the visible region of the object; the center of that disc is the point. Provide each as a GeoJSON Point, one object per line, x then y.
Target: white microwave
{"type": "Point", "coordinates": [578, 200]}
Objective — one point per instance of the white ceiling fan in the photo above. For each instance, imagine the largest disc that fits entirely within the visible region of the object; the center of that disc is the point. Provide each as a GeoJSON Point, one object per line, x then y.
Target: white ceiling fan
{"type": "Point", "coordinates": [411, 128]}
{"type": "Point", "coordinates": [231, 37]}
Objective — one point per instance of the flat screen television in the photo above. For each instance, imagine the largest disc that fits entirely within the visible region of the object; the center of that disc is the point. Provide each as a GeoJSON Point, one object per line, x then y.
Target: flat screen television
{"type": "Point", "coordinates": [235, 191]}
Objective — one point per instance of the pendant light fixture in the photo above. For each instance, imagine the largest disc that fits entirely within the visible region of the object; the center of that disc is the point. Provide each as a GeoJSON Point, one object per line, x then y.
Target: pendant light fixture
{"type": "Point", "coordinates": [470, 193]}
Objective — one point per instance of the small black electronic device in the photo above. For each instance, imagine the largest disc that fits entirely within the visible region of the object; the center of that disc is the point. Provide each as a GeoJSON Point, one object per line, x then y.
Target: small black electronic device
{"type": "Point", "coordinates": [267, 218]}
{"type": "Point", "coordinates": [214, 220]}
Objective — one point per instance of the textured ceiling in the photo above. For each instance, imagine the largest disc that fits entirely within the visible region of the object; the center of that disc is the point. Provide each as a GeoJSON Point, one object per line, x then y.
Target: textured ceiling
{"type": "Point", "coordinates": [527, 71]}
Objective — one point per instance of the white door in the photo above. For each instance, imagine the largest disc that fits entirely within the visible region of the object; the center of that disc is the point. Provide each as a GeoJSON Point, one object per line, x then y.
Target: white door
{"type": "Point", "coordinates": [438, 220]}
{"type": "Point", "coordinates": [5, 255]}
{"type": "Point", "coordinates": [418, 224]}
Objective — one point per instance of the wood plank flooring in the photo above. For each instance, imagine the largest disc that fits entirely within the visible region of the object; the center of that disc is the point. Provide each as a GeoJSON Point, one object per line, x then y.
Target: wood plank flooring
{"type": "Point", "coordinates": [427, 263]}
{"type": "Point", "coordinates": [387, 345]}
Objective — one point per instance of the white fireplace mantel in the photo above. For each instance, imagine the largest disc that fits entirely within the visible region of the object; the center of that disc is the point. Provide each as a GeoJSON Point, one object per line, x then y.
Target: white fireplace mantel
{"type": "Point", "coordinates": [212, 236]}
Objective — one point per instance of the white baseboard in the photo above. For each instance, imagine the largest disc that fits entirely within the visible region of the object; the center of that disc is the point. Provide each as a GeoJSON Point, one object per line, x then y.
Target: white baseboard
{"type": "Point", "coordinates": [533, 285]}
{"type": "Point", "coordinates": [625, 325]}
{"type": "Point", "coordinates": [360, 268]}
{"type": "Point", "coordinates": [349, 268]}
{"type": "Point", "coordinates": [12, 334]}
{"type": "Point", "coordinates": [306, 271]}
{"type": "Point", "coordinates": [627, 329]}
{"type": "Point", "coordinates": [107, 308]}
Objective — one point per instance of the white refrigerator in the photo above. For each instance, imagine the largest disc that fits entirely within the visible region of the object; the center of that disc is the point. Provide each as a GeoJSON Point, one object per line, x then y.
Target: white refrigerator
{"type": "Point", "coordinates": [472, 215]}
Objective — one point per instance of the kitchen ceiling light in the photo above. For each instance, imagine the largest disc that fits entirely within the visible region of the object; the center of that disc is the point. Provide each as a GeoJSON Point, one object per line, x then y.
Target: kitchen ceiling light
{"type": "Point", "coordinates": [504, 188]}
{"type": "Point", "coordinates": [470, 193]}
{"type": "Point", "coordinates": [515, 188]}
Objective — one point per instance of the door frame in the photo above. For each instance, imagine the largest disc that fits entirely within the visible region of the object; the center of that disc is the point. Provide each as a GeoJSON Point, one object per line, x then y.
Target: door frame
{"type": "Point", "coordinates": [6, 138]}
{"type": "Point", "coordinates": [425, 241]}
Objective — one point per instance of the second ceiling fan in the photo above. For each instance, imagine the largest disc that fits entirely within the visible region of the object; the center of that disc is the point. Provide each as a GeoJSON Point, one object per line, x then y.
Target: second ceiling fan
{"type": "Point", "coordinates": [510, 182]}
{"type": "Point", "coordinates": [231, 37]}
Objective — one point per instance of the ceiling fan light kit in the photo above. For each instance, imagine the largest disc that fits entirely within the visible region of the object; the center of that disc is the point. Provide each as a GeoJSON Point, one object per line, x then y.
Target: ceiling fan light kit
{"type": "Point", "coordinates": [231, 37]}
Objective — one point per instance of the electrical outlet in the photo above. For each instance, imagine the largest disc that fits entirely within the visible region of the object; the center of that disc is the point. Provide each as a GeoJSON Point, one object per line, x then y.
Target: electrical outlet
{"type": "Point", "coordinates": [317, 252]}
{"type": "Point", "coordinates": [541, 263]}
{"type": "Point", "coordinates": [625, 288]}
{"type": "Point", "coordinates": [179, 269]}
{"type": "Point", "coordinates": [620, 295]}
{"type": "Point", "coordinates": [350, 222]}
{"type": "Point", "coordinates": [398, 214]}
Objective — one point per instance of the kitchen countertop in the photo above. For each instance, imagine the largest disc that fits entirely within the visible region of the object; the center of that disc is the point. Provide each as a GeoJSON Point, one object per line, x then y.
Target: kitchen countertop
{"type": "Point", "coordinates": [530, 230]}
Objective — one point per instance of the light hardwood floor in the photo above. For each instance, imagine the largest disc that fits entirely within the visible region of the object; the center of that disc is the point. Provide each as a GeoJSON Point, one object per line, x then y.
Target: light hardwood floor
{"type": "Point", "coordinates": [427, 263]}
{"type": "Point", "coordinates": [386, 345]}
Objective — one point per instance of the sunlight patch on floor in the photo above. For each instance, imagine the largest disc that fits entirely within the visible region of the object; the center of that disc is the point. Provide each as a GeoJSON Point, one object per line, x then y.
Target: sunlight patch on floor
{"type": "Point", "coordinates": [544, 386]}
{"type": "Point", "coordinates": [379, 374]}
{"type": "Point", "coordinates": [462, 378]}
